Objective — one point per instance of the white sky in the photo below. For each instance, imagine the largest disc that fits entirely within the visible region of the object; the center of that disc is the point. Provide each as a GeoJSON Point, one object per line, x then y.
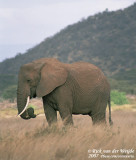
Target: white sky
{"type": "Point", "coordinates": [26, 23]}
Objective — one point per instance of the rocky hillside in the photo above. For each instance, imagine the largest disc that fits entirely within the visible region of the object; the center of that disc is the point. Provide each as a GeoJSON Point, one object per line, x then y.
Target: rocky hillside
{"type": "Point", "coordinates": [106, 39]}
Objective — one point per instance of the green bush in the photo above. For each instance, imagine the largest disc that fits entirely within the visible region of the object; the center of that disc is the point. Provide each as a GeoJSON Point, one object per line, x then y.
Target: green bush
{"type": "Point", "coordinates": [10, 93]}
{"type": "Point", "coordinates": [118, 98]}
{"type": "Point", "coordinates": [32, 106]}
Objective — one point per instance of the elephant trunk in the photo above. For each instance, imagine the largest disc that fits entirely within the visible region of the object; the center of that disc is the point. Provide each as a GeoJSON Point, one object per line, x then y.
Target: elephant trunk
{"type": "Point", "coordinates": [28, 98]}
{"type": "Point", "coordinates": [22, 104]}
{"type": "Point", "coordinates": [24, 110]}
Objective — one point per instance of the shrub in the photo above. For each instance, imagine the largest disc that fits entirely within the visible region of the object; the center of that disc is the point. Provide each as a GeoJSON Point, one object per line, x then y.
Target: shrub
{"type": "Point", "coordinates": [118, 97]}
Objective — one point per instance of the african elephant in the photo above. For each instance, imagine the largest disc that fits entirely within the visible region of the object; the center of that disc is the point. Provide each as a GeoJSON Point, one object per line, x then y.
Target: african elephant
{"type": "Point", "coordinates": [77, 88]}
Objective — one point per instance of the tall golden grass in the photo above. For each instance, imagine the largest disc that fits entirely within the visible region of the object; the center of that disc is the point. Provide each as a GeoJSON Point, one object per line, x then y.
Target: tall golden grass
{"type": "Point", "coordinates": [34, 140]}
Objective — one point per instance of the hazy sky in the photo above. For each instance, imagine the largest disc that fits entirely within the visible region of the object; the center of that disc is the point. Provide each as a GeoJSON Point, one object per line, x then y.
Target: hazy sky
{"type": "Point", "coordinates": [26, 23]}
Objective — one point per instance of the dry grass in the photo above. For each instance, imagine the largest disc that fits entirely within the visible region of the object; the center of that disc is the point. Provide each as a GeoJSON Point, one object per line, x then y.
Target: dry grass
{"type": "Point", "coordinates": [34, 140]}
{"type": "Point", "coordinates": [8, 109]}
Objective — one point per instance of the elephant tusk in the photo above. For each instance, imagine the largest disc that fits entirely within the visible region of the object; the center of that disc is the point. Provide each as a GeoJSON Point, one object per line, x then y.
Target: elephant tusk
{"type": "Point", "coordinates": [28, 98]}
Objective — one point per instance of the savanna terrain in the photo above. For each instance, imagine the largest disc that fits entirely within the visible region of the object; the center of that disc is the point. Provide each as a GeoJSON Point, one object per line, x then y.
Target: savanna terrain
{"type": "Point", "coordinates": [34, 140]}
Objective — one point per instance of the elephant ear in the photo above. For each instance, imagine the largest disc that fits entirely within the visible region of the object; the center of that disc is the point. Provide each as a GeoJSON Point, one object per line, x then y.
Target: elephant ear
{"type": "Point", "coordinates": [52, 76]}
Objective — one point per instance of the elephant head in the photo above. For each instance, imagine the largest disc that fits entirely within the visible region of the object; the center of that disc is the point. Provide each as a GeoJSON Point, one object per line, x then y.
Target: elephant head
{"type": "Point", "coordinates": [37, 79]}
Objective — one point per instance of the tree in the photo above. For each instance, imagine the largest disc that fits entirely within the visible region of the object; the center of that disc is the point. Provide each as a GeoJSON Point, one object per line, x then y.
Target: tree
{"type": "Point", "coordinates": [10, 93]}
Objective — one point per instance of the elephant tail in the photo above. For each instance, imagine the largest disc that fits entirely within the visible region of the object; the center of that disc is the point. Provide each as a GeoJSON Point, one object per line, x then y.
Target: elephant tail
{"type": "Point", "coordinates": [109, 104]}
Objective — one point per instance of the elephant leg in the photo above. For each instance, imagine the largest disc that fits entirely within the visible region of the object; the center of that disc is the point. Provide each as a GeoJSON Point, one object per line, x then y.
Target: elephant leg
{"type": "Point", "coordinates": [50, 113]}
{"type": "Point", "coordinates": [66, 115]}
{"type": "Point", "coordinates": [65, 105]}
{"type": "Point", "coordinates": [98, 113]}
{"type": "Point", "coordinates": [99, 118]}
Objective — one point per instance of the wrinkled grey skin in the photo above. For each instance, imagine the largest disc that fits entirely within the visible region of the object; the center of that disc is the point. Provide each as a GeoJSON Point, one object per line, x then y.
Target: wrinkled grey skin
{"type": "Point", "coordinates": [78, 88]}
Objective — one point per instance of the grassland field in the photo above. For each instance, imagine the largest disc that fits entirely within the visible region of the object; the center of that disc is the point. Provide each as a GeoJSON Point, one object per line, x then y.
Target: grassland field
{"type": "Point", "coordinates": [34, 140]}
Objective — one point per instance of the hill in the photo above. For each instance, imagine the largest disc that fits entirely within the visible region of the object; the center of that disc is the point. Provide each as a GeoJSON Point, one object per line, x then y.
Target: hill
{"type": "Point", "coordinates": [106, 39]}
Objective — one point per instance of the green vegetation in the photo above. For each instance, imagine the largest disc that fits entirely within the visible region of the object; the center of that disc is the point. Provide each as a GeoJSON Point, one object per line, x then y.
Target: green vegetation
{"type": "Point", "coordinates": [106, 39]}
{"type": "Point", "coordinates": [10, 93]}
{"type": "Point", "coordinates": [118, 98]}
{"type": "Point", "coordinates": [6, 81]}
{"type": "Point", "coordinates": [124, 81]}
{"type": "Point", "coordinates": [32, 106]}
